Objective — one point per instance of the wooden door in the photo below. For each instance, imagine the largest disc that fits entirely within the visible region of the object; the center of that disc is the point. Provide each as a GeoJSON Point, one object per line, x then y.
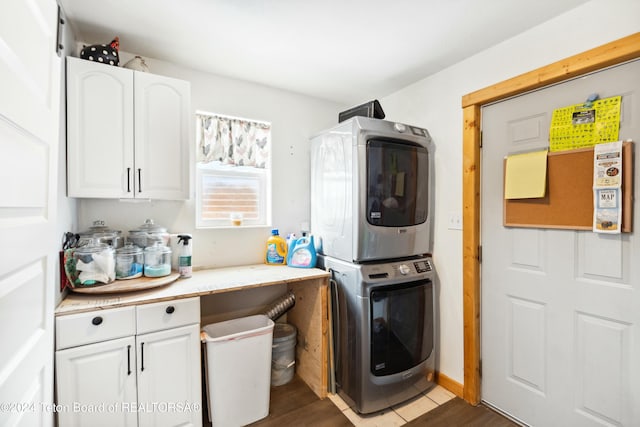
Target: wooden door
{"type": "Point", "coordinates": [99, 130]}
{"type": "Point", "coordinates": [560, 308]}
{"type": "Point", "coordinates": [29, 120]}
{"type": "Point", "coordinates": [169, 377]}
{"type": "Point", "coordinates": [162, 108]}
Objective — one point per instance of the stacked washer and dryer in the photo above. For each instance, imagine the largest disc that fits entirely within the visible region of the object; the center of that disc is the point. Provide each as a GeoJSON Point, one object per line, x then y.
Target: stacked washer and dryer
{"type": "Point", "coordinates": [372, 217]}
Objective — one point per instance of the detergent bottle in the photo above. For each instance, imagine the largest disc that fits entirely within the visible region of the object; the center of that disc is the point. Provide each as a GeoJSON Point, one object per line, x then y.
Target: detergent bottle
{"type": "Point", "coordinates": [276, 253]}
{"type": "Point", "coordinates": [303, 254]}
{"type": "Point", "coordinates": [291, 242]}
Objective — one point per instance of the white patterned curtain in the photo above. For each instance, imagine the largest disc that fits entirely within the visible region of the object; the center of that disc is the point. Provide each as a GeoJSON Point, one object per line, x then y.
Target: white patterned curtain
{"type": "Point", "coordinates": [233, 141]}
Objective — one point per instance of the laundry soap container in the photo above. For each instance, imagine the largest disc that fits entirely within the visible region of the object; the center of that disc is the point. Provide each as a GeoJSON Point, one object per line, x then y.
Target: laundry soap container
{"type": "Point", "coordinates": [283, 354]}
{"type": "Point", "coordinates": [238, 361]}
{"type": "Point", "coordinates": [91, 265]}
{"type": "Point", "coordinates": [157, 260]}
{"type": "Point", "coordinates": [129, 262]}
{"type": "Point", "coordinates": [303, 253]}
{"type": "Point", "coordinates": [276, 252]}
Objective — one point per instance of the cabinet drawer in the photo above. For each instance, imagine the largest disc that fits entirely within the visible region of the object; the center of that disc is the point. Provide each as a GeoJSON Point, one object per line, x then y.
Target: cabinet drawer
{"type": "Point", "coordinates": [167, 314]}
{"type": "Point", "coordinates": [96, 326]}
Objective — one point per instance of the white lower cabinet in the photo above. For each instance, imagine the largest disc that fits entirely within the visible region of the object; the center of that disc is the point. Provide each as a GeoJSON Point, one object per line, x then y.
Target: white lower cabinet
{"type": "Point", "coordinates": [131, 366]}
{"type": "Point", "coordinates": [93, 381]}
{"type": "Point", "coordinates": [169, 377]}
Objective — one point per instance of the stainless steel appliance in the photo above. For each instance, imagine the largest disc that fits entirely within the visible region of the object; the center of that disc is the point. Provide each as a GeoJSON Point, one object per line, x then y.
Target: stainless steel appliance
{"type": "Point", "coordinates": [371, 214]}
{"type": "Point", "coordinates": [383, 325]}
{"type": "Point", "coordinates": [371, 196]}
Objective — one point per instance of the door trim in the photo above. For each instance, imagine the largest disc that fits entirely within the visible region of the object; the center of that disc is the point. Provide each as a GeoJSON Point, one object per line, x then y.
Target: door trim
{"type": "Point", "coordinates": [616, 52]}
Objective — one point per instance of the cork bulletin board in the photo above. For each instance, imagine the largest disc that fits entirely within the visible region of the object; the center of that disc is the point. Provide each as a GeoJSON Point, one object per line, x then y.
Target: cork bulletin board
{"type": "Point", "coordinates": [568, 200]}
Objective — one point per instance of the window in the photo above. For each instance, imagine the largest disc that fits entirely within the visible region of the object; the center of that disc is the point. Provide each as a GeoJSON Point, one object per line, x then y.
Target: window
{"type": "Point", "coordinates": [233, 171]}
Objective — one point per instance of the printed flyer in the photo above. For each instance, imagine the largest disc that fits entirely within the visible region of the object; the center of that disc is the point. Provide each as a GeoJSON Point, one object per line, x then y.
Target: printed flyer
{"type": "Point", "coordinates": [585, 125]}
{"type": "Point", "coordinates": [607, 186]}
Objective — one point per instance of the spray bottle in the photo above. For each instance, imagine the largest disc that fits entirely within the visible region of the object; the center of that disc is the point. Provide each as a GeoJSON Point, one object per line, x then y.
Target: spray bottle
{"type": "Point", "coordinates": [184, 255]}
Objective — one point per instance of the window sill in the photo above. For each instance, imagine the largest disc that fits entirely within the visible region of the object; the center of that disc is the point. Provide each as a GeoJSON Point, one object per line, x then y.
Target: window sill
{"type": "Point", "coordinates": [237, 227]}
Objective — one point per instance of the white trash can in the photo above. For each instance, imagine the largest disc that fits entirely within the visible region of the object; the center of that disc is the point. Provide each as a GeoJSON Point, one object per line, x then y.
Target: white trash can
{"type": "Point", "coordinates": [238, 364]}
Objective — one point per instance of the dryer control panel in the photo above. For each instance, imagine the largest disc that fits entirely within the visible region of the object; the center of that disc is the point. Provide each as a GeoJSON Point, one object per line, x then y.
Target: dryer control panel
{"type": "Point", "coordinates": [405, 269]}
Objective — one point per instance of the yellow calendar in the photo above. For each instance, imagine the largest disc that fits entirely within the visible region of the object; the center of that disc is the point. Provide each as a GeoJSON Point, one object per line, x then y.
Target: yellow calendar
{"type": "Point", "coordinates": [585, 125]}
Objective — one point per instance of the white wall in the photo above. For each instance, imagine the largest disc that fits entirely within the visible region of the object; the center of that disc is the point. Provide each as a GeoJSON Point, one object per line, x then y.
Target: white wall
{"type": "Point", "coordinates": [294, 119]}
{"type": "Point", "coordinates": [435, 103]}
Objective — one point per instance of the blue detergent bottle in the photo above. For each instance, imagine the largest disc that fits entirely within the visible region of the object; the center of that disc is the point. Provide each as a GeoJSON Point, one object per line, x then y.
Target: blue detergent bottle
{"type": "Point", "coordinates": [303, 253]}
{"type": "Point", "coordinates": [291, 242]}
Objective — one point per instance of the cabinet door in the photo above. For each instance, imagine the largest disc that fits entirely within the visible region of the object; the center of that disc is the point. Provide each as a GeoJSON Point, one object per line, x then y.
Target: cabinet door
{"type": "Point", "coordinates": [99, 130]}
{"type": "Point", "coordinates": [162, 108]}
{"type": "Point", "coordinates": [95, 383]}
{"type": "Point", "coordinates": [169, 377]}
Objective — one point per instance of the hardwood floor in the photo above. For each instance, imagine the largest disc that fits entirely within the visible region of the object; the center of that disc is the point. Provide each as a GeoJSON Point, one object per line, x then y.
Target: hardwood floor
{"type": "Point", "coordinates": [294, 404]}
{"type": "Point", "coordinates": [457, 412]}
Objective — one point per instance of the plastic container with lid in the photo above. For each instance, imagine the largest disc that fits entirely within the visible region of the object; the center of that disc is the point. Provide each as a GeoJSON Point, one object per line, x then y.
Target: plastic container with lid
{"type": "Point", "coordinates": [99, 230]}
{"type": "Point", "coordinates": [276, 250]}
{"type": "Point", "coordinates": [157, 260]}
{"type": "Point", "coordinates": [148, 234]}
{"type": "Point", "coordinates": [129, 262]}
{"type": "Point", "coordinates": [283, 353]}
{"type": "Point", "coordinates": [302, 254]}
{"type": "Point", "coordinates": [93, 265]}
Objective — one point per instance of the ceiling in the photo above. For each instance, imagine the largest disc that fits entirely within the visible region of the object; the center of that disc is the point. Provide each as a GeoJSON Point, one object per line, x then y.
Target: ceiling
{"type": "Point", "coordinates": [348, 51]}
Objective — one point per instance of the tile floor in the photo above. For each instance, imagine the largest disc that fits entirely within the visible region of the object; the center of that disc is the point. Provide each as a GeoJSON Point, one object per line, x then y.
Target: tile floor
{"type": "Point", "coordinates": [396, 415]}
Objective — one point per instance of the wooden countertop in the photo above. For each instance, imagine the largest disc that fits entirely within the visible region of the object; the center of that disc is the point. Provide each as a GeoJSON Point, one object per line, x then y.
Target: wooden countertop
{"type": "Point", "coordinates": [202, 282]}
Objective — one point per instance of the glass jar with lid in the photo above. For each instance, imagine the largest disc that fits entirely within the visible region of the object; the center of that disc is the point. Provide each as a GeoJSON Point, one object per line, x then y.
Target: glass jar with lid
{"type": "Point", "coordinates": [129, 262]}
{"type": "Point", "coordinates": [148, 234]}
{"type": "Point", "coordinates": [99, 230]}
{"type": "Point", "coordinates": [94, 264]}
{"type": "Point", "coordinates": [157, 260]}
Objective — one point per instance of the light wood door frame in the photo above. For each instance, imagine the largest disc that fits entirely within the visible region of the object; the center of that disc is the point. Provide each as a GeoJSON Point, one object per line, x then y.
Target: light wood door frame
{"type": "Point", "coordinates": [616, 52]}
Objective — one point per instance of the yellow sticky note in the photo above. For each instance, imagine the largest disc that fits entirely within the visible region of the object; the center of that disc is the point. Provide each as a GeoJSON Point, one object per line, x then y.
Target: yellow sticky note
{"type": "Point", "coordinates": [526, 175]}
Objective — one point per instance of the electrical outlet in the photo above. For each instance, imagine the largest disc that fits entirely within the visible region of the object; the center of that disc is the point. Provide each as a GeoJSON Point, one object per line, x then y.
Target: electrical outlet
{"type": "Point", "coordinates": [455, 221]}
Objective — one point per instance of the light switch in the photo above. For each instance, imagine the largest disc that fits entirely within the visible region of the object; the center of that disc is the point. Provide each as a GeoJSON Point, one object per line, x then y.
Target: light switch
{"type": "Point", "coordinates": [455, 221]}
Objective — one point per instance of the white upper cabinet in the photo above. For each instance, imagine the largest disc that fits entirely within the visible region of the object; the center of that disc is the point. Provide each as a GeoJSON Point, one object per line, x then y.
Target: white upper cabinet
{"type": "Point", "coordinates": [99, 130]}
{"type": "Point", "coordinates": [162, 118]}
{"type": "Point", "coordinates": [127, 133]}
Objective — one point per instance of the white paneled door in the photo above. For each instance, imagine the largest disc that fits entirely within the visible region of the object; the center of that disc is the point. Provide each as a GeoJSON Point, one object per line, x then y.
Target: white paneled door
{"type": "Point", "coordinates": [560, 308]}
{"type": "Point", "coordinates": [29, 120]}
